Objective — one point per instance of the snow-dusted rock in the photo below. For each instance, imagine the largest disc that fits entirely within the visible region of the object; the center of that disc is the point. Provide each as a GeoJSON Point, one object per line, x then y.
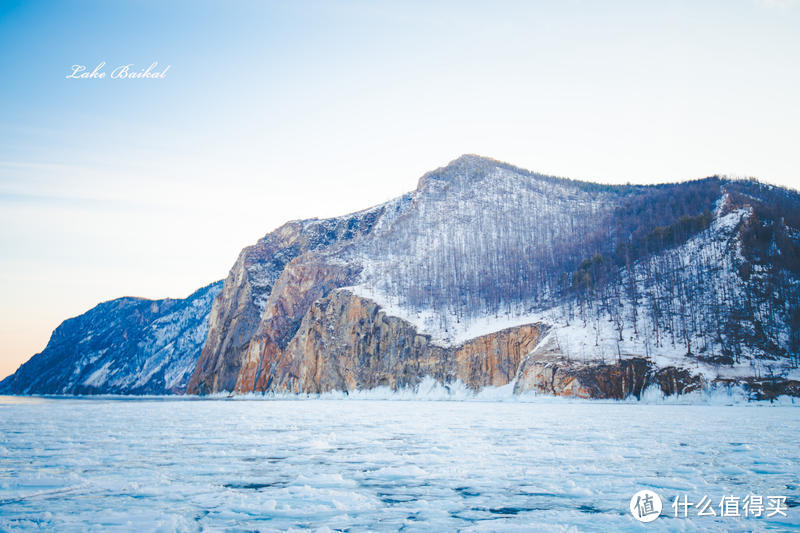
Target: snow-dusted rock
{"type": "Point", "coordinates": [659, 274]}
{"type": "Point", "coordinates": [123, 346]}
{"type": "Point", "coordinates": [485, 275]}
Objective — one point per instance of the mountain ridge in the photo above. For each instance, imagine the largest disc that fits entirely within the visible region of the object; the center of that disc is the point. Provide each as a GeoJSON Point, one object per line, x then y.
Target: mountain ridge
{"type": "Point", "coordinates": [154, 345]}
{"type": "Point", "coordinates": [680, 285]}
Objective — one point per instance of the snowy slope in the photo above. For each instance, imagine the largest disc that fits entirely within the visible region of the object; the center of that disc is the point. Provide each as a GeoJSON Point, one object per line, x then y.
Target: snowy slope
{"type": "Point", "coordinates": [487, 246]}
{"type": "Point", "coordinates": [701, 275]}
{"type": "Point", "coordinates": [124, 346]}
{"type": "Point", "coordinates": [480, 236]}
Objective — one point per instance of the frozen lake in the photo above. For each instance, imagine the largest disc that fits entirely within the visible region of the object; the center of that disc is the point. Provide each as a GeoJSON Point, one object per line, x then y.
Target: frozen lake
{"type": "Point", "coordinates": [182, 465]}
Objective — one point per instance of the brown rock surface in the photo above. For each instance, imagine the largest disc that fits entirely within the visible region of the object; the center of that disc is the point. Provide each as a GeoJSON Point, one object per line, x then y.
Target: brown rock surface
{"type": "Point", "coordinates": [546, 370]}
{"type": "Point", "coordinates": [238, 310]}
{"type": "Point", "coordinates": [346, 342]}
{"type": "Point", "coordinates": [313, 338]}
{"type": "Point", "coordinates": [300, 285]}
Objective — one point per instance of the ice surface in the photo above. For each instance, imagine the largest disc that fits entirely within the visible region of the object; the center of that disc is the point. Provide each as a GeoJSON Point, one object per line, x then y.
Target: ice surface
{"type": "Point", "coordinates": [243, 465]}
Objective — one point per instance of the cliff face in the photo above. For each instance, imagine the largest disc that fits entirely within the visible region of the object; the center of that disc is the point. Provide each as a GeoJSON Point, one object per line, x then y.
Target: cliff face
{"type": "Point", "coordinates": [347, 342]}
{"type": "Point", "coordinates": [263, 296]}
{"type": "Point", "coordinates": [236, 312]}
{"type": "Point", "coordinates": [546, 370]}
{"type": "Point", "coordinates": [481, 239]}
{"type": "Point", "coordinates": [300, 285]}
{"type": "Point", "coordinates": [124, 346]}
{"type": "Point", "coordinates": [680, 286]}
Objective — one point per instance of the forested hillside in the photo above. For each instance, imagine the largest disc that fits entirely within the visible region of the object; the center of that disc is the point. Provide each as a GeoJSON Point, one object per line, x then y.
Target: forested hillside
{"type": "Point", "coordinates": [706, 269]}
{"type": "Point", "coordinates": [485, 274]}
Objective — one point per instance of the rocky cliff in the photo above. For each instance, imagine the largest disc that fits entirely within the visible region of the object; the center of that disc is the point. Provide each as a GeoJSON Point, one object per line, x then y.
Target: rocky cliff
{"type": "Point", "coordinates": [395, 297]}
{"type": "Point", "coordinates": [347, 342]}
{"type": "Point", "coordinates": [487, 275]}
{"type": "Point", "coordinates": [267, 292]}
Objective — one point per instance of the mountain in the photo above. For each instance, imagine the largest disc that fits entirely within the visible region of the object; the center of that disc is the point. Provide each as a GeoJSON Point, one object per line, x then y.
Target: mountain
{"type": "Point", "coordinates": [123, 346]}
{"type": "Point", "coordinates": [492, 275]}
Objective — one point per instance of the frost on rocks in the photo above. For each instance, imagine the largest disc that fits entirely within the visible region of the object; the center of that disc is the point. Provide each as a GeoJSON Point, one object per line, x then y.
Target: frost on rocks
{"type": "Point", "coordinates": [124, 346]}
{"type": "Point", "coordinates": [486, 246]}
{"type": "Point", "coordinates": [702, 276]}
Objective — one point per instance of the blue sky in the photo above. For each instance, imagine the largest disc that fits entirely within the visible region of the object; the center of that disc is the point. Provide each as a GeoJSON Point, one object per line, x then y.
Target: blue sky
{"type": "Point", "coordinates": [280, 110]}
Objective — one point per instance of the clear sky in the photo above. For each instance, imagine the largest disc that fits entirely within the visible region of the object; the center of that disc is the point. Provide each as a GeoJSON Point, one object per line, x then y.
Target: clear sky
{"type": "Point", "coordinates": [285, 110]}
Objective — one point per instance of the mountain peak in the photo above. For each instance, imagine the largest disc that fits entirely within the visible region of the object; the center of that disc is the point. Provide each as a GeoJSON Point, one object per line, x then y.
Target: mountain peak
{"type": "Point", "coordinates": [466, 167]}
{"type": "Point", "coordinates": [656, 277]}
{"type": "Point", "coordinates": [472, 159]}
{"type": "Point", "coordinates": [474, 162]}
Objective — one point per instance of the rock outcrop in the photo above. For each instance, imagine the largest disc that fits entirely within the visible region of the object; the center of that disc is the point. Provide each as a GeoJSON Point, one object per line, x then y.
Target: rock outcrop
{"type": "Point", "coordinates": [260, 290]}
{"type": "Point", "coordinates": [595, 379]}
{"type": "Point", "coordinates": [347, 342]}
{"type": "Point", "coordinates": [480, 237]}
{"type": "Point", "coordinates": [690, 285]}
{"type": "Point", "coordinates": [547, 370]}
{"type": "Point", "coordinates": [300, 285]}
{"type": "Point", "coordinates": [763, 389]}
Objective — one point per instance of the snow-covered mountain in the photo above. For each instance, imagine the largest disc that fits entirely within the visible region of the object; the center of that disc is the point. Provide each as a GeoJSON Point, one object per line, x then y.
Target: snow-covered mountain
{"type": "Point", "coordinates": [491, 275]}
{"type": "Point", "coordinates": [123, 346]}
{"type": "Point", "coordinates": [679, 285]}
